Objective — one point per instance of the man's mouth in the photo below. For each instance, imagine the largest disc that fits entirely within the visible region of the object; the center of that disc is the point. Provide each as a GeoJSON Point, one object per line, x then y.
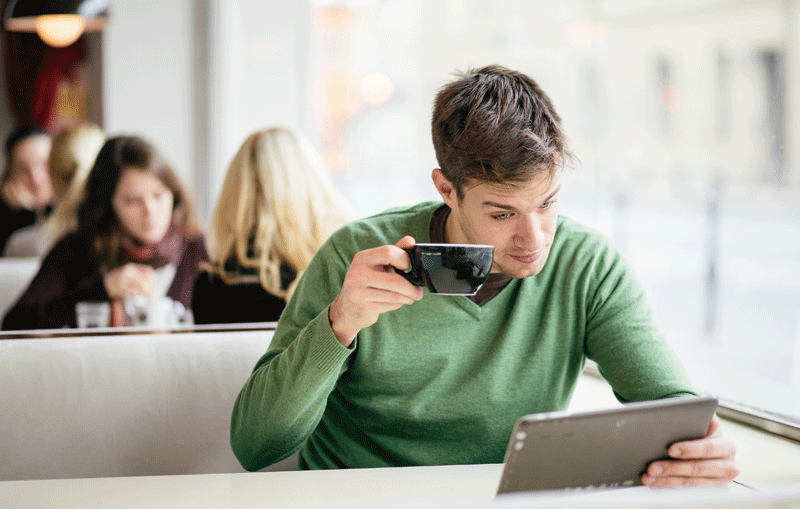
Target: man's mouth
{"type": "Point", "coordinates": [528, 257]}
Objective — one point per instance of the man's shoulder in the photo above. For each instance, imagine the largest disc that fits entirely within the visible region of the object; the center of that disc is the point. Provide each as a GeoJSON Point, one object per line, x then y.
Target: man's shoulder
{"type": "Point", "coordinates": [582, 243]}
{"type": "Point", "coordinates": [389, 226]}
{"type": "Point", "coordinates": [420, 211]}
{"type": "Point", "coordinates": [579, 250]}
{"type": "Point", "coordinates": [570, 230]}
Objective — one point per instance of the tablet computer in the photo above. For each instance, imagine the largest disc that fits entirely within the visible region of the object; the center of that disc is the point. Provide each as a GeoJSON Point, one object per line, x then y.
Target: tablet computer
{"type": "Point", "coordinates": [599, 449]}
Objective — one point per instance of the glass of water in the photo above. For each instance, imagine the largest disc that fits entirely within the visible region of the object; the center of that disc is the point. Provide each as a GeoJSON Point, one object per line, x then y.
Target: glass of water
{"type": "Point", "coordinates": [93, 314]}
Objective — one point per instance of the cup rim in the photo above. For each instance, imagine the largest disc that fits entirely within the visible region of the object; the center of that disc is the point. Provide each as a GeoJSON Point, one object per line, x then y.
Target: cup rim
{"type": "Point", "coordinates": [448, 244]}
{"type": "Point", "coordinates": [89, 305]}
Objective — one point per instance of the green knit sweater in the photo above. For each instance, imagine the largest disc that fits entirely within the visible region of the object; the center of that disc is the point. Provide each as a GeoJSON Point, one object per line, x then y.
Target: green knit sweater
{"type": "Point", "coordinates": [442, 381]}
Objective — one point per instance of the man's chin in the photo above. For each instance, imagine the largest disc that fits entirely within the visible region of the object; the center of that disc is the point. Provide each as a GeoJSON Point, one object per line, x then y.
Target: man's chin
{"type": "Point", "coordinates": [520, 272]}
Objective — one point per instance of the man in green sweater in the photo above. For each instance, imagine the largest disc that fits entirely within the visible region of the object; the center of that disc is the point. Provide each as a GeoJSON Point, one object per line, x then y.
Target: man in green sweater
{"type": "Point", "coordinates": [367, 370]}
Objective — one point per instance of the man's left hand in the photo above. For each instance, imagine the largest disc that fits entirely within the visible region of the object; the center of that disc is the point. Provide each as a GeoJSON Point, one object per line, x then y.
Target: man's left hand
{"type": "Point", "coordinates": [708, 461]}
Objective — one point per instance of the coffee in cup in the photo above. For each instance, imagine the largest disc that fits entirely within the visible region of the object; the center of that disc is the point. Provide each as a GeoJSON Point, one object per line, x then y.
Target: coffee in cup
{"type": "Point", "coordinates": [449, 269]}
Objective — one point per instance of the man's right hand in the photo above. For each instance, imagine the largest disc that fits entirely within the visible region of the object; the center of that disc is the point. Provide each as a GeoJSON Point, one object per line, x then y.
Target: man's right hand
{"type": "Point", "coordinates": [372, 287]}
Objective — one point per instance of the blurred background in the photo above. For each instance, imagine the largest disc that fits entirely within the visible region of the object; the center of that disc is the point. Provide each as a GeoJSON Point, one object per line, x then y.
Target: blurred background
{"type": "Point", "coordinates": [684, 116]}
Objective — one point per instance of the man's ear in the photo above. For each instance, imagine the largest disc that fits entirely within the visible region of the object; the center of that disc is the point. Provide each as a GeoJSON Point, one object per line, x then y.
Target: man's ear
{"type": "Point", "coordinates": [445, 188]}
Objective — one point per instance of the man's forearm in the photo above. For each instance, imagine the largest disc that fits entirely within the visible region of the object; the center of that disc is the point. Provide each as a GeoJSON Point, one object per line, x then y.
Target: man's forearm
{"type": "Point", "coordinates": [283, 400]}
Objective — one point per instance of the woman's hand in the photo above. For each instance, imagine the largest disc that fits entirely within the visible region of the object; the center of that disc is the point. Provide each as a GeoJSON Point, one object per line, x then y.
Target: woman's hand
{"type": "Point", "coordinates": [129, 279]}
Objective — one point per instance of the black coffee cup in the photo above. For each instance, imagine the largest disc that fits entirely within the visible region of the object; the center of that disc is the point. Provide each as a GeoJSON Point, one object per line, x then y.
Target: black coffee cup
{"type": "Point", "coordinates": [450, 269]}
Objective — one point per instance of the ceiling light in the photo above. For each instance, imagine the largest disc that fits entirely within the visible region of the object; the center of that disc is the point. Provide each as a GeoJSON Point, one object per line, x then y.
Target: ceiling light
{"type": "Point", "coordinates": [59, 23]}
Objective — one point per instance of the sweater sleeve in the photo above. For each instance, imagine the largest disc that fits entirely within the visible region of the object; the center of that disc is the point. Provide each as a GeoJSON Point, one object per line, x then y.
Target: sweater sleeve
{"type": "Point", "coordinates": [631, 352]}
{"type": "Point", "coordinates": [282, 402]}
{"type": "Point", "coordinates": [49, 301]}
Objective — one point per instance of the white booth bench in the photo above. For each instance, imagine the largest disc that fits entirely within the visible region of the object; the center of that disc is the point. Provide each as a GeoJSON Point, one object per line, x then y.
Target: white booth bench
{"type": "Point", "coordinates": [104, 404]}
{"type": "Point", "coordinates": [15, 276]}
{"type": "Point", "coordinates": [123, 405]}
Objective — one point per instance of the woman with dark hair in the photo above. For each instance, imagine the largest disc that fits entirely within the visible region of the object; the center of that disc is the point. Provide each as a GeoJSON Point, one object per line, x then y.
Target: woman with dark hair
{"type": "Point", "coordinates": [25, 187]}
{"type": "Point", "coordinates": [72, 155]}
{"type": "Point", "coordinates": [136, 224]}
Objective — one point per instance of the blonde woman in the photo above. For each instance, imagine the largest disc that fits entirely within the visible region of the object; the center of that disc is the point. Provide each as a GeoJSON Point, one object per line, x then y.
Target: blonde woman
{"type": "Point", "coordinates": [276, 208]}
{"type": "Point", "coordinates": [71, 159]}
{"type": "Point", "coordinates": [73, 152]}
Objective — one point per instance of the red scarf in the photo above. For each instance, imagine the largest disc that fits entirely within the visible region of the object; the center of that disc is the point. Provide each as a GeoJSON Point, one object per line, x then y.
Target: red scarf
{"type": "Point", "coordinates": [167, 250]}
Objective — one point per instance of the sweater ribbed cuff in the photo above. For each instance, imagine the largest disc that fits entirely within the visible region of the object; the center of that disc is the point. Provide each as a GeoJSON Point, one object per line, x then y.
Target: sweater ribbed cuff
{"type": "Point", "coordinates": [326, 350]}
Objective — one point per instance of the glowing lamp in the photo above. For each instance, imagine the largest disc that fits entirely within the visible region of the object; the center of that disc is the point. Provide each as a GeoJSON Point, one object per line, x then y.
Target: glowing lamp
{"type": "Point", "coordinates": [59, 23]}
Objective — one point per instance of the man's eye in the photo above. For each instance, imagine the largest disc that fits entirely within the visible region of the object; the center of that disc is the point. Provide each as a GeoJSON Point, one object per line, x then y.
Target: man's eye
{"type": "Point", "coordinates": [500, 217]}
{"type": "Point", "coordinates": [546, 205]}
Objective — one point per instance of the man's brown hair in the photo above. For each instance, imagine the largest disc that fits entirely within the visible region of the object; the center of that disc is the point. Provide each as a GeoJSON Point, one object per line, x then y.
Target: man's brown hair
{"type": "Point", "coordinates": [497, 126]}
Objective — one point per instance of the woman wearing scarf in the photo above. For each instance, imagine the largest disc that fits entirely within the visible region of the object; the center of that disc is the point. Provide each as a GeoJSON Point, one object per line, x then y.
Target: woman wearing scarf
{"type": "Point", "coordinates": [136, 224]}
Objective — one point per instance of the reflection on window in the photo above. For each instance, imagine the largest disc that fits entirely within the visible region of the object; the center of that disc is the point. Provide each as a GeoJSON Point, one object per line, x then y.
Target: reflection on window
{"type": "Point", "coordinates": [772, 62]}
{"type": "Point", "coordinates": [679, 115]}
{"type": "Point", "coordinates": [669, 96]}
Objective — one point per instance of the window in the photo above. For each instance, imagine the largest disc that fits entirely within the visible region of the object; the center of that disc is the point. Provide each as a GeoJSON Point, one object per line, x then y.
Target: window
{"type": "Point", "coordinates": [679, 115]}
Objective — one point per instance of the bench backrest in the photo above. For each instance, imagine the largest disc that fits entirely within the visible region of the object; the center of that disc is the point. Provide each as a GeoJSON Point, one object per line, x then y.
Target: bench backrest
{"type": "Point", "coordinates": [15, 276]}
{"type": "Point", "coordinates": [107, 406]}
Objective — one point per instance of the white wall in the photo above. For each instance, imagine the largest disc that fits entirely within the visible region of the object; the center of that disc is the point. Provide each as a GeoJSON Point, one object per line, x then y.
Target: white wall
{"type": "Point", "coordinates": [196, 76]}
{"type": "Point", "coordinates": [257, 73]}
{"type": "Point", "coordinates": [791, 21]}
{"type": "Point", "coordinates": [147, 76]}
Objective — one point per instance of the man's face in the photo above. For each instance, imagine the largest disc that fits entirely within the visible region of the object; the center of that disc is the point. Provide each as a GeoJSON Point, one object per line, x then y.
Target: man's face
{"type": "Point", "coordinates": [519, 221]}
{"type": "Point", "coordinates": [29, 167]}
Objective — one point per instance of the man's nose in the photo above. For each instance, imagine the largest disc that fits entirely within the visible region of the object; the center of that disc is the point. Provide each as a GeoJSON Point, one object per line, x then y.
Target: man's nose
{"type": "Point", "coordinates": [530, 234]}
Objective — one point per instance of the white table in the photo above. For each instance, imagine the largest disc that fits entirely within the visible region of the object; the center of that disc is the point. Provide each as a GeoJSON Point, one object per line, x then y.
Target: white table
{"type": "Point", "coordinates": [448, 487]}
{"type": "Point", "coordinates": [474, 483]}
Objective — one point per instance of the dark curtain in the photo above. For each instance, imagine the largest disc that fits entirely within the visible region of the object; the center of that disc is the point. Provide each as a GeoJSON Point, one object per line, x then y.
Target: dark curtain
{"type": "Point", "coordinates": [33, 71]}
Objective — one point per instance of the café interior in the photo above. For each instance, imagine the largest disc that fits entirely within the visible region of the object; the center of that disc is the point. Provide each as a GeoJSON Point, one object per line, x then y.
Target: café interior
{"type": "Point", "coordinates": [684, 117]}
